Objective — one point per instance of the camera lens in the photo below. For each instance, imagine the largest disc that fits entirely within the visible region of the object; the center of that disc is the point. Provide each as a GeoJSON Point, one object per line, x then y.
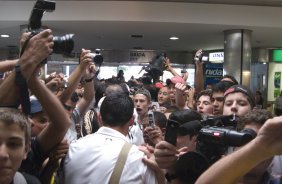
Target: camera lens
{"type": "Point", "coordinates": [63, 44]}
{"type": "Point", "coordinates": [98, 59]}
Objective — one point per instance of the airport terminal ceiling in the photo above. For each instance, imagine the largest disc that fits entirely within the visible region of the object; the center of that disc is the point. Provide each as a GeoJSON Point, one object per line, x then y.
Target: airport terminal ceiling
{"type": "Point", "coordinates": [110, 25]}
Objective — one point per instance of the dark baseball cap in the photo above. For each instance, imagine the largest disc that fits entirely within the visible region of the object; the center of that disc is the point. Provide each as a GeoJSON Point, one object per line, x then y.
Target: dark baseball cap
{"type": "Point", "coordinates": [243, 89]}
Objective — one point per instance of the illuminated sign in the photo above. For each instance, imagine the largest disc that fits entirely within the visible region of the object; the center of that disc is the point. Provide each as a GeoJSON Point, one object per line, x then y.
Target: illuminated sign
{"type": "Point", "coordinates": [216, 57]}
{"type": "Point", "coordinates": [277, 56]}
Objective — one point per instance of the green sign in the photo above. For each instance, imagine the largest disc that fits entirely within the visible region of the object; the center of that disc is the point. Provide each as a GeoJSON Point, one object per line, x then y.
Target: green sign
{"type": "Point", "coordinates": [277, 56]}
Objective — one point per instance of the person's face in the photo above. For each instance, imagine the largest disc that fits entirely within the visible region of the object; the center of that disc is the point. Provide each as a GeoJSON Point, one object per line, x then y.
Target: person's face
{"type": "Point", "coordinates": [38, 123]}
{"type": "Point", "coordinates": [236, 103]}
{"type": "Point", "coordinates": [171, 89]}
{"type": "Point", "coordinates": [217, 102]}
{"type": "Point", "coordinates": [13, 149]}
{"type": "Point", "coordinates": [141, 104]}
{"type": "Point", "coordinates": [163, 95]}
{"type": "Point", "coordinates": [187, 141]}
{"type": "Point", "coordinates": [69, 107]}
{"type": "Point", "coordinates": [204, 105]}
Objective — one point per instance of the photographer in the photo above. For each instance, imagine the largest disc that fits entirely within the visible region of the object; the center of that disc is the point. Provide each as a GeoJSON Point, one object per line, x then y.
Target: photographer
{"type": "Point", "coordinates": [238, 100]}
{"type": "Point", "coordinates": [234, 166]}
{"type": "Point", "coordinates": [76, 109]}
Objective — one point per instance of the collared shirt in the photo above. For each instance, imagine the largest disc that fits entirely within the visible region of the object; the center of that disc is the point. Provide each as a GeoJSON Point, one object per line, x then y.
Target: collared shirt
{"type": "Point", "coordinates": [91, 160]}
{"type": "Point", "coordinates": [135, 133]}
{"type": "Point", "coordinates": [71, 134]}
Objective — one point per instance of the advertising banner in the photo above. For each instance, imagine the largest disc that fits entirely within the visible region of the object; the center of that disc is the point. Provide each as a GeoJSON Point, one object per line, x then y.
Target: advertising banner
{"type": "Point", "coordinates": [277, 82]}
{"type": "Point", "coordinates": [213, 73]}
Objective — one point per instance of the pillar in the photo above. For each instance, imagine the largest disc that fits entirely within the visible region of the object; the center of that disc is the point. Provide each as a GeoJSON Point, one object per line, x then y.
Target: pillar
{"type": "Point", "coordinates": [238, 54]}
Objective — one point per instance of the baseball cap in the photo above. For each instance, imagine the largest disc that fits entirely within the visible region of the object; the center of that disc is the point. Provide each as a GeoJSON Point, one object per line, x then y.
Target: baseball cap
{"type": "Point", "coordinates": [159, 85]}
{"type": "Point", "coordinates": [35, 106]}
{"type": "Point", "coordinates": [190, 128]}
{"type": "Point", "coordinates": [243, 89]}
{"type": "Point", "coordinates": [174, 80]}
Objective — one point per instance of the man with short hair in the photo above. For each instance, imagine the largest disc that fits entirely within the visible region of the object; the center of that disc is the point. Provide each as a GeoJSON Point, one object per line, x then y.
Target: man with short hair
{"type": "Point", "coordinates": [142, 103]}
{"type": "Point", "coordinates": [217, 99]}
{"type": "Point", "coordinates": [14, 145]}
{"type": "Point", "coordinates": [93, 158]}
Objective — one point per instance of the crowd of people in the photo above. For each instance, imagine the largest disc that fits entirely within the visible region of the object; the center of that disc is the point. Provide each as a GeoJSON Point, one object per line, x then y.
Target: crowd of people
{"type": "Point", "coordinates": [83, 130]}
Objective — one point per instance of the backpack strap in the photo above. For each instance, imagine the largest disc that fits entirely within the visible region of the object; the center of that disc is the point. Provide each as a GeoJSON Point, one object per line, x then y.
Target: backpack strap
{"type": "Point", "coordinates": [120, 163]}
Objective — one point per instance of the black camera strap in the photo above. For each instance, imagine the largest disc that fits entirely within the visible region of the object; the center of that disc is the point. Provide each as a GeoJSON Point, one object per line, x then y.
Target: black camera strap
{"type": "Point", "coordinates": [22, 89]}
{"type": "Point", "coordinates": [21, 84]}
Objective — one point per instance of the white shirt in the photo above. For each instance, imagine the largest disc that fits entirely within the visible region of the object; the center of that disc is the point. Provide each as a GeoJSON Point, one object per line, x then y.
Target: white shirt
{"type": "Point", "coordinates": [135, 133]}
{"type": "Point", "coordinates": [91, 160]}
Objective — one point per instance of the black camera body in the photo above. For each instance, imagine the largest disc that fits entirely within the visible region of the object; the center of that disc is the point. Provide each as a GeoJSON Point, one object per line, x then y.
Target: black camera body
{"type": "Point", "coordinates": [97, 57]}
{"type": "Point", "coordinates": [218, 134]}
{"type": "Point", "coordinates": [62, 44]}
{"type": "Point", "coordinates": [201, 56]}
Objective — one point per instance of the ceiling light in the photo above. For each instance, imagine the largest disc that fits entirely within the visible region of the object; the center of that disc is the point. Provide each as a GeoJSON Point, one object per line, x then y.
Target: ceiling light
{"type": "Point", "coordinates": [264, 63]}
{"type": "Point", "coordinates": [173, 38]}
{"type": "Point", "coordinates": [4, 36]}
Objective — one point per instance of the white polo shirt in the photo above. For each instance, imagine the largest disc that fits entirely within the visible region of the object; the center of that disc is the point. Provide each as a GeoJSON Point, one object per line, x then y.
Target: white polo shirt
{"type": "Point", "coordinates": [91, 160]}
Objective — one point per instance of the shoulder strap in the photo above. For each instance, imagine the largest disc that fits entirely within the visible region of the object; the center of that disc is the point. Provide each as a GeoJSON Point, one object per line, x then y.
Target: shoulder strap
{"type": "Point", "coordinates": [19, 179]}
{"type": "Point", "coordinates": [120, 163]}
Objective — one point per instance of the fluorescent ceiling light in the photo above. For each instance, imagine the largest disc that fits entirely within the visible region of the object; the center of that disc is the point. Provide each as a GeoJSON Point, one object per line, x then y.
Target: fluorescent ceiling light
{"type": "Point", "coordinates": [4, 36]}
{"type": "Point", "coordinates": [174, 38]}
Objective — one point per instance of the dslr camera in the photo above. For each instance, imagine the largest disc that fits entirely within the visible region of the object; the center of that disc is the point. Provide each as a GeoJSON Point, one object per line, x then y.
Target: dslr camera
{"type": "Point", "coordinates": [62, 44]}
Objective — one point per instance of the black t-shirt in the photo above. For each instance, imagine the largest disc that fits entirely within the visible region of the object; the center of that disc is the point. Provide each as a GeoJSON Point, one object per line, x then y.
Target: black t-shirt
{"type": "Point", "coordinates": [35, 158]}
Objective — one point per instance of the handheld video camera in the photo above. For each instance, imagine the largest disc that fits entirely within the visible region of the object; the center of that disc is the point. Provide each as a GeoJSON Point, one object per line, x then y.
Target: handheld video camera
{"type": "Point", "coordinates": [156, 67]}
{"type": "Point", "coordinates": [62, 44]}
{"type": "Point", "coordinates": [201, 56]}
{"type": "Point", "coordinates": [216, 135]}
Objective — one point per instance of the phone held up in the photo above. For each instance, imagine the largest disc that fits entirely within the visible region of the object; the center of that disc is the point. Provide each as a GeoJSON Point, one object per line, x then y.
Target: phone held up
{"type": "Point", "coordinates": [171, 131]}
{"type": "Point", "coordinates": [151, 119]}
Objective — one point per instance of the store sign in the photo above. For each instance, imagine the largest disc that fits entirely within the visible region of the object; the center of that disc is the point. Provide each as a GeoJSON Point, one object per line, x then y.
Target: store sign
{"type": "Point", "coordinates": [216, 57]}
{"type": "Point", "coordinates": [135, 56]}
{"type": "Point", "coordinates": [213, 73]}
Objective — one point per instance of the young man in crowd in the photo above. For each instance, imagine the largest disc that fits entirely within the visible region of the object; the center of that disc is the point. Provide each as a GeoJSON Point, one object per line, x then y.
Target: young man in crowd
{"type": "Point", "coordinates": [238, 100]}
{"type": "Point", "coordinates": [14, 146]}
{"type": "Point", "coordinates": [204, 103]}
{"type": "Point", "coordinates": [217, 99]}
{"type": "Point", "coordinates": [142, 103]}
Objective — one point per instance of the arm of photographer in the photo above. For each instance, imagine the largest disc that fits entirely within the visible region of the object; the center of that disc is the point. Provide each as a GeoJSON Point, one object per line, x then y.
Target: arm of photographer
{"type": "Point", "coordinates": [199, 73]}
{"type": "Point", "coordinates": [229, 169]}
{"type": "Point", "coordinates": [76, 75]}
{"type": "Point", "coordinates": [8, 65]}
{"type": "Point", "coordinates": [169, 67]}
{"type": "Point", "coordinates": [89, 93]}
{"type": "Point", "coordinates": [181, 96]}
{"type": "Point", "coordinates": [39, 47]}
